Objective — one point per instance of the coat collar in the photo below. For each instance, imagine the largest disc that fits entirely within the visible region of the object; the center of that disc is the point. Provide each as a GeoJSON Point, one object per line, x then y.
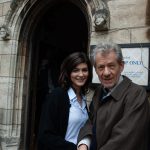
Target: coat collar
{"type": "Point", "coordinates": [121, 88]}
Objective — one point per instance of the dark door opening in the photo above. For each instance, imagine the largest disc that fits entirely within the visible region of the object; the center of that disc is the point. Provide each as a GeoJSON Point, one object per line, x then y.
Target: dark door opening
{"type": "Point", "coordinates": [62, 30]}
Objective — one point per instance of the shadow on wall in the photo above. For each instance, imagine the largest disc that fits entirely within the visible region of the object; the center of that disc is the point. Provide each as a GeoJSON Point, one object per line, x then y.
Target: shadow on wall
{"type": "Point", "coordinates": [148, 18]}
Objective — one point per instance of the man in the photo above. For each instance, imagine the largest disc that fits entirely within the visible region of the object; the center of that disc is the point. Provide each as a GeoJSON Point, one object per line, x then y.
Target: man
{"type": "Point", "coordinates": [120, 117]}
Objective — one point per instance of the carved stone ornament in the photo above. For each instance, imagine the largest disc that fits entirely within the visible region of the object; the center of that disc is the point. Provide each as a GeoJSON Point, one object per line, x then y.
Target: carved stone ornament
{"type": "Point", "coordinates": [101, 20]}
{"type": "Point", "coordinates": [101, 16]}
{"type": "Point", "coordinates": [4, 32]}
{"type": "Point", "coordinates": [100, 13]}
{"type": "Point", "coordinates": [4, 29]}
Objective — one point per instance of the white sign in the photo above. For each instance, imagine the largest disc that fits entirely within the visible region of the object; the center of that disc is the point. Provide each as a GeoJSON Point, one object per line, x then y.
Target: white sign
{"type": "Point", "coordinates": [136, 64]}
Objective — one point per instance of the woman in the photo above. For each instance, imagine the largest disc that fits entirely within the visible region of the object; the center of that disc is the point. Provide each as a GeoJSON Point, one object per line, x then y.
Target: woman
{"type": "Point", "coordinates": [65, 111]}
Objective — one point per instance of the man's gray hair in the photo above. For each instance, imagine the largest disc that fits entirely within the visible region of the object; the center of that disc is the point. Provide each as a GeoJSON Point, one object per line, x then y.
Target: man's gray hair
{"type": "Point", "coordinates": [105, 48]}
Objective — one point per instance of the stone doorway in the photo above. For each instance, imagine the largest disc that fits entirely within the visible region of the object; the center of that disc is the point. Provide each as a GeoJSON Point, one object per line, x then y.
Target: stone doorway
{"type": "Point", "coordinates": [62, 29]}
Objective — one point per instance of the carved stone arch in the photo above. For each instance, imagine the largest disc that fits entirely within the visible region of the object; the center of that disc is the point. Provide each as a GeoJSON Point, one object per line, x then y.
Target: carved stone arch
{"type": "Point", "coordinates": [37, 5]}
{"type": "Point", "coordinates": [30, 13]}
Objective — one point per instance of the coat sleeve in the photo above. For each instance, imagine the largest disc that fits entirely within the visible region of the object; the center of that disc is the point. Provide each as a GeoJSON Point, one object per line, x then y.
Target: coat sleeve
{"type": "Point", "coordinates": [130, 132]}
{"type": "Point", "coordinates": [50, 136]}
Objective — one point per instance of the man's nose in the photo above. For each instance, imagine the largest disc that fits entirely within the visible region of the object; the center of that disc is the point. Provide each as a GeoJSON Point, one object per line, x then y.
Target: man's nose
{"type": "Point", "coordinates": [106, 71]}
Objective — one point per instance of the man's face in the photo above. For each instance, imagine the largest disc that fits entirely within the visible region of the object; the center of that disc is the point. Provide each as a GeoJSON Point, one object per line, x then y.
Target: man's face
{"type": "Point", "coordinates": [108, 69]}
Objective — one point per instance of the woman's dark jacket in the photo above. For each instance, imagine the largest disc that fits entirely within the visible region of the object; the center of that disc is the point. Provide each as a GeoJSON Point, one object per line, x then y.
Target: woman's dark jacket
{"type": "Point", "coordinates": [54, 122]}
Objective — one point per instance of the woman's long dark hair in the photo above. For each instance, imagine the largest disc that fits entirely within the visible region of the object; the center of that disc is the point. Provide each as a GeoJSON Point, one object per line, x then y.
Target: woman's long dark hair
{"type": "Point", "coordinates": [69, 64]}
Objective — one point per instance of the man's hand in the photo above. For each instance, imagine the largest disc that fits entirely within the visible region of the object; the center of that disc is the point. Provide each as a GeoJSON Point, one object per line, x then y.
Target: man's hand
{"type": "Point", "coordinates": [82, 147]}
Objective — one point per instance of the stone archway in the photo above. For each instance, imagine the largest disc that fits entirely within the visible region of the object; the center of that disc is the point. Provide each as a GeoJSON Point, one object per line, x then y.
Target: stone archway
{"type": "Point", "coordinates": [54, 31]}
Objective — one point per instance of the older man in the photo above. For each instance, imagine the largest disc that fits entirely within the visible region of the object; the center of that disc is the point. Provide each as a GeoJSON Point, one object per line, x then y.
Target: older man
{"type": "Point", "coordinates": [120, 112]}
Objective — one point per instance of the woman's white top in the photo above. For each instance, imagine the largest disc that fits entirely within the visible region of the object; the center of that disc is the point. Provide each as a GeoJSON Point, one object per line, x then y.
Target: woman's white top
{"type": "Point", "coordinates": [77, 117]}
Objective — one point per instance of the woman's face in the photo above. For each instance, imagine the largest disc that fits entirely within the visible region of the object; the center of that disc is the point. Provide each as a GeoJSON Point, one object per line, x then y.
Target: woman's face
{"type": "Point", "coordinates": [79, 75]}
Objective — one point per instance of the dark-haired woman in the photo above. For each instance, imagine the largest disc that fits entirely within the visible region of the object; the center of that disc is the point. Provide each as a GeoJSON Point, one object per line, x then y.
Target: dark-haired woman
{"type": "Point", "coordinates": [65, 111]}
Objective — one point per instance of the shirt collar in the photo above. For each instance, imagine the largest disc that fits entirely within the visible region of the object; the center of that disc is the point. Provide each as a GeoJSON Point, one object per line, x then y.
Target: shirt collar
{"type": "Point", "coordinates": [120, 80]}
{"type": "Point", "coordinates": [108, 92]}
{"type": "Point", "coordinates": [72, 95]}
{"type": "Point", "coordinates": [111, 90]}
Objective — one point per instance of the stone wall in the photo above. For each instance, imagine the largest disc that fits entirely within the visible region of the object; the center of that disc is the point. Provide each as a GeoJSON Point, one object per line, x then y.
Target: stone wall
{"type": "Point", "coordinates": [127, 23]}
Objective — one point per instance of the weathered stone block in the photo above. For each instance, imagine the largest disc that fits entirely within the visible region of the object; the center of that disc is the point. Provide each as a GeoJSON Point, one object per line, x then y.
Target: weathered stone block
{"type": "Point", "coordinates": [127, 13]}
{"type": "Point", "coordinates": [140, 35]}
{"type": "Point", "coordinates": [121, 36]}
{"type": "Point", "coordinates": [6, 7]}
{"type": "Point", "coordinates": [8, 47]}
